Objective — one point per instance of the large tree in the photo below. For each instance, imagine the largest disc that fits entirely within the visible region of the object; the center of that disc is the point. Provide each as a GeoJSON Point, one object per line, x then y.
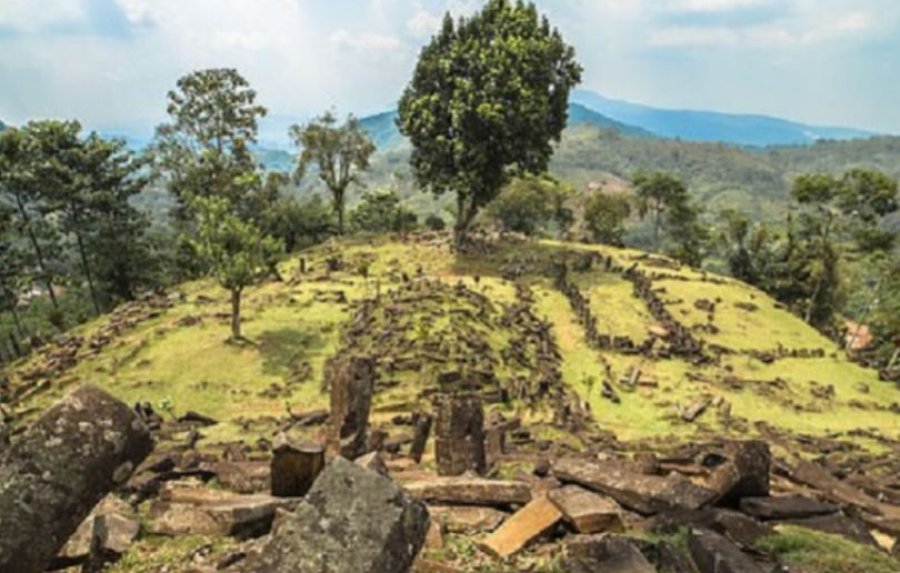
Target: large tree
{"type": "Point", "coordinates": [205, 149]}
{"type": "Point", "coordinates": [22, 190]}
{"type": "Point", "coordinates": [488, 97]}
{"type": "Point", "coordinates": [657, 194]}
{"type": "Point", "coordinates": [340, 152]}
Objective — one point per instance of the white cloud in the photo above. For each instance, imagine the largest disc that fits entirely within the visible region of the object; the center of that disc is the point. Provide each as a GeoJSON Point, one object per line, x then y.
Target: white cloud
{"type": "Point", "coordinates": [31, 15]}
{"type": "Point", "coordinates": [365, 42]}
{"type": "Point", "coordinates": [423, 24]}
{"type": "Point", "coordinates": [715, 5]}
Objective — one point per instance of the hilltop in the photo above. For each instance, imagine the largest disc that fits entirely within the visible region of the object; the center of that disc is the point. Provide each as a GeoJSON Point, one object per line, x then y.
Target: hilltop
{"type": "Point", "coordinates": [746, 354]}
{"type": "Point", "coordinates": [586, 348]}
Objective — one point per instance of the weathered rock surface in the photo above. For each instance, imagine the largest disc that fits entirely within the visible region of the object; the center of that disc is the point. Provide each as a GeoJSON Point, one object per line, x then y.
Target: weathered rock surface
{"type": "Point", "coordinates": [587, 511]}
{"type": "Point", "coordinates": [606, 553]}
{"type": "Point", "coordinates": [471, 491]}
{"type": "Point", "coordinates": [50, 479]}
{"type": "Point", "coordinates": [713, 553]}
{"type": "Point", "coordinates": [352, 520]}
{"type": "Point", "coordinates": [524, 526]}
{"type": "Point", "coordinates": [459, 435]}
{"type": "Point", "coordinates": [374, 463]}
{"type": "Point", "coordinates": [352, 382]}
{"type": "Point", "coordinates": [467, 518]}
{"type": "Point", "coordinates": [295, 467]}
{"type": "Point", "coordinates": [745, 474]}
{"type": "Point", "coordinates": [216, 513]}
{"type": "Point", "coordinates": [785, 507]}
{"type": "Point", "coordinates": [642, 493]}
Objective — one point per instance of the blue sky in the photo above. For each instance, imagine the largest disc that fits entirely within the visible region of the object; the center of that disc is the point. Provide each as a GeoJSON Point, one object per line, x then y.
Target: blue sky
{"type": "Point", "coordinates": [110, 62]}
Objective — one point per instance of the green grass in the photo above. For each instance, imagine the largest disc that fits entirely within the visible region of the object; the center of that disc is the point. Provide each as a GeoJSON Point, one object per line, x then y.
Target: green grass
{"type": "Point", "coordinates": [823, 553]}
{"type": "Point", "coordinates": [294, 327]}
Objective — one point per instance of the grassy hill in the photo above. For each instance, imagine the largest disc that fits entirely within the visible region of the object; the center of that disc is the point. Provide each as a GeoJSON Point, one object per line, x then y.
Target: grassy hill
{"type": "Point", "coordinates": [759, 368]}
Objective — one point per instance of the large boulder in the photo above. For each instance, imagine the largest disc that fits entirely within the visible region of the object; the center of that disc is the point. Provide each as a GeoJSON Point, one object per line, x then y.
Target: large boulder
{"type": "Point", "coordinates": [352, 520]}
{"type": "Point", "coordinates": [51, 478]}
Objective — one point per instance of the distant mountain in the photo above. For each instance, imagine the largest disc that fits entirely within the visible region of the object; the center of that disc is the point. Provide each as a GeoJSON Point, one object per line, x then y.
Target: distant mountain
{"type": "Point", "coordinates": [710, 126]}
{"type": "Point", "coordinates": [2, 125]}
{"type": "Point", "coordinates": [382, 128]}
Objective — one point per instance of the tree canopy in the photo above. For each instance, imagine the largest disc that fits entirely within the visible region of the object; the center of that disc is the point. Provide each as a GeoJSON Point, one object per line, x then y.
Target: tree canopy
{"type": "Point", "coordinates": [488, 97]}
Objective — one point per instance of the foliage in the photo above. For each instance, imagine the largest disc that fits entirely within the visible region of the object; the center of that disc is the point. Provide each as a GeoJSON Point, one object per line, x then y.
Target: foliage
{"type": "Point", "coordinates": [205, 150]}
{"type": "Point", "coordinates": [488, 96]}
{"type": "Point", "coordinates": [531, 204]}
{"type": "Point", "coordinates": [382, 212]}
{"type": "Point", "coordinates": [666, 199]}
{"type": "Point", "coordinates": [237, 252]}
{"type": "Point", "coordinates": [604, 217]}
{"type": "Point", "coordinates": [435, 222]}
{"type": "Point", "coordinates": [339, 152]}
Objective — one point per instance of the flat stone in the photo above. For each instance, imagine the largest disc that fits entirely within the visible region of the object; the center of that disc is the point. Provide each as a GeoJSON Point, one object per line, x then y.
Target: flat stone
{"type": "Point", "coordinates": [642, 493]}
{"type": "Point", "coordinates": [587, 511]}
{"type": "Point", "coordinates": [470, 491]}
{"type": "Point", "coordinates": [786, 507]}
{"type": "Point", "coordinates": [243, 477]}
{"type": "Point", "coordinates": [838, 524]}
{"type": "Point", "coordinates": [713, 553]}
{"type": "Point", "coordinates": [604, 553]}
{"type": "Point", "coordinates": [352, 520]}
{"type": "Point", "coordinates": [814, 475]}
{"type": "Point", "coordinates": [239, 516]}
{"type": "Point", "coordinates": [523, 527]}
{"type": "Point", "coordinates": [467, 518]}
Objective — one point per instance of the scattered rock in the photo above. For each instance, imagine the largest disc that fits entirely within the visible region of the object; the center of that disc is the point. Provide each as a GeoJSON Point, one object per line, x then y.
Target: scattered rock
{"type": "Point", "coordinates": [242, 516]}
{"type": "Point", "coordinates": [785, 507]}
{"type": "Point", "coordinates": [606, 553]}
{"type": "Point", "coordinates": [713, 553]}
{"type": "Point", "coordinates": [352, 520]}
{"type": "Point", "coordinates": [838, 524]}
{"type": "Point", "coordinates": [586, 511]}
{"type": "Point", "coordinates": [523, 527]}
{"type": "Point", "coordinates": [642, 493]}
{"type": "Point", "coordinates": [294, 468]}
{"type": "Point", "coordinates": [467, 518]}
{"type": "Point", "coordinates": [470, 491]}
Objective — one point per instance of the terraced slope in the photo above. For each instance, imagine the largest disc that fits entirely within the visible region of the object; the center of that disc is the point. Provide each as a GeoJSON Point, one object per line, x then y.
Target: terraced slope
{"type": "Point", "coordinates": [576, 339]}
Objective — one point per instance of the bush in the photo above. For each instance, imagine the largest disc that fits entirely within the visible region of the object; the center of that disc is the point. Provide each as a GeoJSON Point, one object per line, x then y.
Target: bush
{"type": "Point", "coordinates": [381, 212]}
{"type": "Point", "coordinates": [435, 223]}
{"type": "Point", "coordinates": [531, 204]}
{"type": "Point", "coordinates": [604, 218]}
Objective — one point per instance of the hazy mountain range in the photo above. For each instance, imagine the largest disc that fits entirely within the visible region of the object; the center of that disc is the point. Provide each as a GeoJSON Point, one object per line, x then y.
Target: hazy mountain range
{"type": "Point", "coordinates": [585, 107]}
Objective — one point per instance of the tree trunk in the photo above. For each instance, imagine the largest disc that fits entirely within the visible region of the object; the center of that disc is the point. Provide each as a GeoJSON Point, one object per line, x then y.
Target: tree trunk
{"type": "Point", "coordinates": [18, 322]}
{"type": "Point", "coordinates": [339, 208]}
{"type": "Point", "coordinates": [26, 220]}
{"type": "Point", "coordinates": [656, 223]}
{"type": "Point", "coordinates": [87, 272]}
{"type": "Point", "coordinates": [236, 314]}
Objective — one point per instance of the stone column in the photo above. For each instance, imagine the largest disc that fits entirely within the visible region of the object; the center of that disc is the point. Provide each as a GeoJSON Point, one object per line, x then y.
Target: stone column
{"type": "Point", "coordinates": [459, 436]}
{"type": "Point", "coordinates": [352, 382]}
{"type": "Point", "coordinates": [295, 467]}
{"type": "Point", "coordinates": [59, 469]}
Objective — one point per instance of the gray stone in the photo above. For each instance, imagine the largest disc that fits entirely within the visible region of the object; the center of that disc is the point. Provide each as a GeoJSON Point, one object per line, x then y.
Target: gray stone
{"type": "Point", "coordinates": [713, 553]}
{"type": "Point", "coordinates": [352, 520]}
{"type": "Point", "coordinates": [786, 507]}
{"type": "Point", "coordinates": [352, 382]}
{"type": "Point", "coordinates": [745, 474]}
{"type": "Point", "coordinates": [459, 436]}
{"type": "Point", "coordinates": [606, 553]}
{"type": "Point", "coordinates": [51, 478]}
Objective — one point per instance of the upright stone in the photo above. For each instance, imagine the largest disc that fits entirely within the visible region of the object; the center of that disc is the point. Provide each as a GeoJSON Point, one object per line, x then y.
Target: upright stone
{"type": "Point", "coordinates": [295, 467]}
{"type": "Point", "coordinates": [745, 474]}
{"type": "Point", "coordinates": [459, 439]}
{"type": "Point", "coordinates": [53, 476]}
{"type": "Point", "coordinates": [352, 520]}
{"type": "Point", "coordinates": [420, 440]}
{"type": "Point", "coordinates": [352, 381]}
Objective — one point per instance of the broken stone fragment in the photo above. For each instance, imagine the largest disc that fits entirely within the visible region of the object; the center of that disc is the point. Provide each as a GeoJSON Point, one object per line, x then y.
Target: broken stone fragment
{"type": "Point", "coordinates": [642, 493]}
{"type": "Point", "coordinates": [606, 553]}
{"type": "Point", "coordinates": [352, 520]}
{"type": "Point", "coordinates": [786, 507]}
{"type": "Point", "coordinates": [713, 553]}
{"type": "Point", "coordinates": [242, 516]}
{"type": "Point", "coordinates": [587, 511]}
{"type": "Point", "coordinates": [374, 463]}
{"type": "Point", "coordinates": [294, 467]}
{"type": "Point", "coordinates": [524, 526]}
{"type": "Point", "coordinates": [745, 474]}
{"type": "Point", "coordinates": [467, 518]}
{"type": "Point", "coordinates": [52, 477]}
{"type": "Point", "coordinates": [470, 491]}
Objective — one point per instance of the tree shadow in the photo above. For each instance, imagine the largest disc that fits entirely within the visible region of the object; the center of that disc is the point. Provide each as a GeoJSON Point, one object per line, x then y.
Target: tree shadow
{"type": "Point", "coordinates": [285, 351]}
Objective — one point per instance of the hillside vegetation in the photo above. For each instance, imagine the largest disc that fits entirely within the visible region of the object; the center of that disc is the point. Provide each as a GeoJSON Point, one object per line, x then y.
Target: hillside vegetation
{"type": "Point", "coordinates": [713, 345]}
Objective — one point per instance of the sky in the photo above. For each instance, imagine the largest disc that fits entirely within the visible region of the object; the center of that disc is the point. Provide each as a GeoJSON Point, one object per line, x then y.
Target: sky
{"type": "Point", "coordinates": [110, 63]}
